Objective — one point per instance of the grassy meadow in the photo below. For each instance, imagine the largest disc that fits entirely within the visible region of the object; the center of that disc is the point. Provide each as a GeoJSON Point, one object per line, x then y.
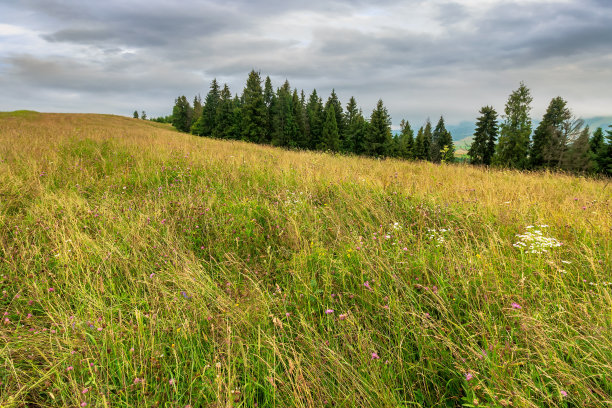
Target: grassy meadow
{"type": "Point", "coordinates": [142, 267]}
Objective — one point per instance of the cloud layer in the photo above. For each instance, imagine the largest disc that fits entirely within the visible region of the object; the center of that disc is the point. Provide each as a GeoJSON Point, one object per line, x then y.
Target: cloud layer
{"type": "Point", "coordinates": [422, 57]}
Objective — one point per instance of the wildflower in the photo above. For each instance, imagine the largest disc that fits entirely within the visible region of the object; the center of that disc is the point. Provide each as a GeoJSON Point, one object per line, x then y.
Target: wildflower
{"type": "Point", "coordinates": [329, 311]}
{"type": "Point", "coordinates": [367, 285]}
{"type": "Point", "coordinates": [70, 368]}
{"type": "Point", "coordinates": [342, 316]}
{"type": "Point", "coordinates": [468, 376]}
{"type": "Point", "coordinates": [137, 380]}
{"type": "Point", "coordinates": [83, 404]}
{"type": "Point", "coordinates": [516, 305]}
{"type": "Point", "coordinates": [151, 275]}
{"type": "Point", "coordinates": [563, 393]}
{"type": "Point", "coordinates": [51, 290]}
{"type": "Point", "coordinates": [85, 390]}
{"type": "Point", "coordinates": [375, 356]}
{"type": "Point", "coordinates": [172, 381]}
{"type": "Point", "coordinates": [287, 314]}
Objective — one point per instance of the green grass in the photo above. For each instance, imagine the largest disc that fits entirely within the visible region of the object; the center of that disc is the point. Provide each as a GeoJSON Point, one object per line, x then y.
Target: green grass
{"type": "Point", "coordinates": [153, 268]}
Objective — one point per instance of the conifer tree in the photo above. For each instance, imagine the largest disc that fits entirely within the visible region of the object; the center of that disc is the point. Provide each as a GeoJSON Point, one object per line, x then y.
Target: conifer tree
{"type": "Point", "coordinates": [135, 115]}
{"type": "Point", "coordinates": [597, 141]}
{"type": "Point", "coordinates": [197, 106]}
{"type": "Point", "coordinates": [483, 147]}
{"type": "Point", "coordinates": [236, 128]}
{"type": "Point", "coordinates": [427, 140]}
{"type": "Point", "coordinates": [379, 140]}
{"type": "Point", "coordinates": [143, 115]}
{"type": "Point", "coordinates": [285, 125]}
{"type": "Point", "coordinates": [441, 138]}
{"type": "Point", "coordinates": [577, 157]}
{"type": "Point", "coordinates": [297, 106]}
{"type": "Point", "coordinates": [314, 112]}
{"type": "Point", "coordinates": [330, 138]}
{"type": "Point", "coordinates": [352, 111]}
{"type": "Point", "coordinates": [560, 141]}
{"type": "Point", "coordinates": [223, 119]}
{"type": "Point", "coordinates": [548, 132]}
{"type": "Point", "coordinates": [358, 130]}
{"type": "Point", "coordinates": [182, 114]}
{"type": "Point", "coordinates": [513, 145]}
{"type": "Point", "coordinates": [335, 102]}
{"type": "Point", "coordinates": [419, 150]}
{"type": "Point", "coordinates": [254, 111]}
{"type": "Point", "coordinates": [205, 123]}
{"type": "Point", "coordinates": [603, 157]}
{"type": "Point", "coordinates": [405, 140]}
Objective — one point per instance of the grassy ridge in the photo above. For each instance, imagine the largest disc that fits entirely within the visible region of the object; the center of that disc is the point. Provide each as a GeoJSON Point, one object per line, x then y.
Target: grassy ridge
{"type": "Point", "coordinates": [144, 267]}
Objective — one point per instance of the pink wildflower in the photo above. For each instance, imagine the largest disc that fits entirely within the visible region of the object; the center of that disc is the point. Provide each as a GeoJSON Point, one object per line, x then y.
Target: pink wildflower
{"type": "Point", "coordinates": [563, 393]}
{"type": "Point", "coordinates": [375, 356]}
{"type": "Point", "coordinates": [342, 316]}
{"type": "Point", "coordinates": [468, 376]}
{"type": "Point", "coordinates": [172, 381]}
{"type": "Point", "coordinates": [51, 289]}
{"type": "Point", "coordinates": [367, 285]}
{"type": "Point", "coordinates": [83, 404]}
{"type": "Point", "coordinates": [70, 368]}
{"type": "Point", "coordinates": [329, 311]}
{"type": "Point", "coordinates": [516, 305]}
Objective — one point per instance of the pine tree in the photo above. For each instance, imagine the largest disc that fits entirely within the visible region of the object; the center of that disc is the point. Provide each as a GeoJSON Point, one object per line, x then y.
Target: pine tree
{"type": "Point", "coordinates": [513, 145]}
{"type": "Point", "coordinates": [254, 111]}
{"type": "Point", "coordinates": [405, 140]}
{"type": "Point", "coordinates": [182, 114]}
{"type": "Point", "coordinates": [143, 115]}
{"type": "Point", "coordinates": [285, 128]}
{"type": "Point", "coordinates": [358, 131]}
{"type": "Point", "coordinates": [223, 116]}
{"type": "Point", "coordinates": [135, 115]}
{"type": "Point", "coordinates": [205, 123]}
{"type": "Point", "coordinates": [379, 140]}
{"type": "Point", "coordinates": [314, 111]}
{"type": "Point", "coordinates": [547, 133]}
{"type": "Point", "coordinates": [597, 141]}
{"type": "Point", "coordinates": [483, 147]}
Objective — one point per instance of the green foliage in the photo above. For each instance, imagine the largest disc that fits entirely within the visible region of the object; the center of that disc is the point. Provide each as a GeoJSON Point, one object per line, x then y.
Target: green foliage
{"type": "Point", "coordinates": [206, 122]}
{"type": "Point", "coordinates": [335, 102]}
{"type": "Point", "coordinates": [135, 115]}
{"type": "Point", "coordinates": [513, 145]}
{"type": "Point", "coordinates": [378, 138]}
{"type": "Point", "coordinates": [442, 147]}
{"type": "Point", "coordinates": [314, 113]}
{"type": "Point", "coordinates": [405, 141]}
{"type": "Point", "coordinates": [182, 114]}
{"type": "Point", "coordinates": [254, 112]}
{"type": "Point", "coordinates": [224, 115]}
{"type": "Point", "coordinates": [483, 147]}
{"type": "Point", "coordinates": [330, 138]}
{"type": "Point", "coordinates": [547, 136]}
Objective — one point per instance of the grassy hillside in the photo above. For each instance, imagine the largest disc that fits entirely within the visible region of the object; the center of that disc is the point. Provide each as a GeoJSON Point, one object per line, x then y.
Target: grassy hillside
{"type": "Point", "coordinates": [144, 267]}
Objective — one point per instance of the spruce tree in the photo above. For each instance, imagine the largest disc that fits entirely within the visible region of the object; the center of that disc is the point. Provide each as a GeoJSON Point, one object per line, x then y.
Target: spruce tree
{"type": "Point", "coordinates": [419, 150]}
{"type": "Point", "coordinates": [197, 106]}
{"type": "Point", "coordinates": [352, 111]}
{"type": "Point", "coordinates": [427, 140]}
{"type": "Point", "coordinates": [441, 139]}
{"type": "Point", "coordinates": [143, 115]}
{"type": "Point", "coordinates": [254, 111]}
{"type": "Point", "coordinates": [135, 115]}
{"type": "Point", "coordinates": [577, 157]}
{"type": "Point", "coordinates": [596, 141]}
{"type": "Point", "coordinates": [513, 145]}
{"type": "Point", "coordinates": [335, 102]}
{"type": "Point", "coordinates": [285, 126]}
{"type": "Point", "coordinates": [358, 130]}
{"type": "Point", "coordinates": [297, 106]}
{"type": "Point", "coordinates": [379, 140]}
{"type": "Point", "coordinates": [205, 123]}
{"type": "Point", "coordinates": [548, 133]}
{"type": "Point", "coordinates": [314, 111]}
{"type": "Point", "coordinates": [603, 157]}
{"type": "Point", "coordinates": [405, 140]}
{"type": "Point", "coordinates": [330, 137]}
{"type": "Point", "coordinates": [223, 117]}
{"type": "Point", "coordinates": [182, 114]}
{"type": "Point", "coordinates": [483, 146]}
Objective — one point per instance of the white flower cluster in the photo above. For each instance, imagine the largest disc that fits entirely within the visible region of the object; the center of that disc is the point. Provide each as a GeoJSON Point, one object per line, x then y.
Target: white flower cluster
{"type": "Point", "coordinates": [534, 242]}
{"type": "Point", "coordinates": [436, 235]}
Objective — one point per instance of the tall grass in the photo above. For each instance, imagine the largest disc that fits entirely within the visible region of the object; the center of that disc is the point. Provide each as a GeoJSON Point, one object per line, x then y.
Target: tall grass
{"type": "Point", "coordinates": [144, 267]}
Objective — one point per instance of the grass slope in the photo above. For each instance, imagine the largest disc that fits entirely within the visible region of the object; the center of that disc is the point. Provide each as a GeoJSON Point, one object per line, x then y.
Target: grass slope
{"type": "Point", "coordinates": [144, 267]}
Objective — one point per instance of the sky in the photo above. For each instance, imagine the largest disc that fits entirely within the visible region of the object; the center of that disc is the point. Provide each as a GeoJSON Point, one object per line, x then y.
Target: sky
{"type": "Point", "coordinates": [423, 58]}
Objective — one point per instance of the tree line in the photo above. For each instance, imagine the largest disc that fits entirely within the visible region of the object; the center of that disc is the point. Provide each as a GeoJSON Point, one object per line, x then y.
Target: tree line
{"type": "Point", "coordinates": [287, 118]}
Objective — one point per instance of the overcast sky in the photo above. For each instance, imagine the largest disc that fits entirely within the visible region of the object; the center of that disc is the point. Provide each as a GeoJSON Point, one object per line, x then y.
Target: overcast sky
{"type": "Point", "coordinates": [424, 58]}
